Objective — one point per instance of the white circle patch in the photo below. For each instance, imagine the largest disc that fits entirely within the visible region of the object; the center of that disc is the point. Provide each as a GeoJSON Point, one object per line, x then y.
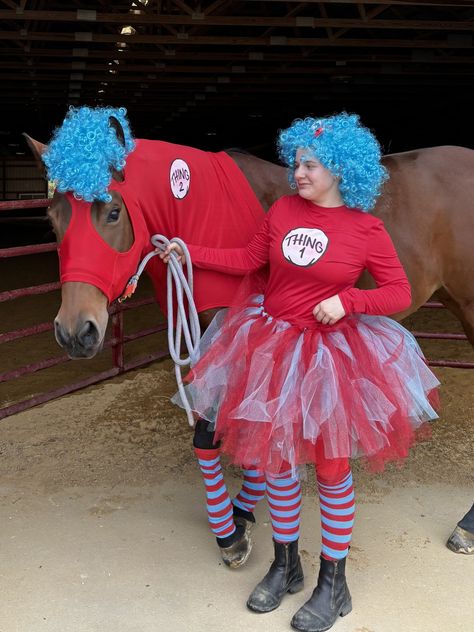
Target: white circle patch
{"type": "Point", "coordinates": [180, 178]}
{"type": "Point", "coordinates": [304, 246]}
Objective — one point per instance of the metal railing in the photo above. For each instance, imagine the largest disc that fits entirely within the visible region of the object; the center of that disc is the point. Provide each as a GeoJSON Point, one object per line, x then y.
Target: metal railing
{"type": "Point", "coordinates": [430, 335]}
{"type": "Point", "coordinates": [116, 342]}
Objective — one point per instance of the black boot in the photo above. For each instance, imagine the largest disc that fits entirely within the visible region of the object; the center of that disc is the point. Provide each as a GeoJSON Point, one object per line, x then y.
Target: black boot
{"type": "Point", "coordinates": [285, 575]}
{"type": "Point", "coordinates": [331, 598]}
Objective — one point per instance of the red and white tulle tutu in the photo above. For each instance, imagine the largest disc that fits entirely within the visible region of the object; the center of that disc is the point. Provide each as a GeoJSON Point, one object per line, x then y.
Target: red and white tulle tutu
{"type": "Point", "coordinates": [272, 389]}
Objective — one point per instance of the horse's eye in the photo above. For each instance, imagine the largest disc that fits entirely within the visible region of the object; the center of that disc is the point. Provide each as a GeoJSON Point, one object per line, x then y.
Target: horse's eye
{"type": "Point", "coordinates": [113, 215]}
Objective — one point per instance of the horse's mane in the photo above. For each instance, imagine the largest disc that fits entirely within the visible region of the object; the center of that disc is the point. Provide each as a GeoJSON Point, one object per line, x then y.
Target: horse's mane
{"type": "Point", "coordinates": [237, 150]}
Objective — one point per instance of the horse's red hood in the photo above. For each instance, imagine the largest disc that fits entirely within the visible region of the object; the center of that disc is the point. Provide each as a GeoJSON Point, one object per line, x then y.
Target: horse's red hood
{"type": "Point", "coordinates": [176, 191]}
{"type": "Point", "coordinates": [91, 260]}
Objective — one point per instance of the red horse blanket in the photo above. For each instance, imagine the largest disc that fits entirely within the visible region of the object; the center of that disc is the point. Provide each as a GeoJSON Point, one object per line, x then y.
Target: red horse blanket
{"type": "Point", "coordinates": [199, 196]}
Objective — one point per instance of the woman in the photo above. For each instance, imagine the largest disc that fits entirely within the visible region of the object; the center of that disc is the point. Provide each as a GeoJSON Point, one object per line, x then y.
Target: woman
{"type": "Point", "coordinates": [313, 371]}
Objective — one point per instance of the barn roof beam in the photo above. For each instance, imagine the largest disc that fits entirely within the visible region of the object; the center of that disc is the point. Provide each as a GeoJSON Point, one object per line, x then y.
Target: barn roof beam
{"type": "Point", "coordinates": [281, 80]}
{"type": "Point", "coordinates": [329, 56]}
{"type": "Point", "coordinates": [202, 40]}
{"type": "Point", "coordinates": [152, 71]}
{"type": "Point", "coordinates": [245, 21]}
{"type": "Point", "coordinates": [423, 3]}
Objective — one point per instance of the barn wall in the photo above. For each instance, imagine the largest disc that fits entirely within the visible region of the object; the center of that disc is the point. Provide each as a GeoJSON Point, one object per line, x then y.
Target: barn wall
{"type": "Point", "coordinates": [20, 179]}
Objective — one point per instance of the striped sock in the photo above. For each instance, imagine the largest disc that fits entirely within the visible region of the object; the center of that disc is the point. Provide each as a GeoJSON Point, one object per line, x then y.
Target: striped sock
{"type": "Point", "coordinates": [253, 490]}
{"type": "Point", "coordinates": [284, 501]}
{"type": "Point", "coordinates": [337, 517]}
{"type": "Point", "coordinates": [219, 507]}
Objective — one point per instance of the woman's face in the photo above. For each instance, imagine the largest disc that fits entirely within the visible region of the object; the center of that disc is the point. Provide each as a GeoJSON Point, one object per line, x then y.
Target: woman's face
{"type": "Point", "coordinates": [314, 182]}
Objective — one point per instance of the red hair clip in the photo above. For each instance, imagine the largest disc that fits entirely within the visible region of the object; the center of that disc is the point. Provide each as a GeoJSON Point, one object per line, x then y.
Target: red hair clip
{"type": "Point", "coordinates": [319, 131]}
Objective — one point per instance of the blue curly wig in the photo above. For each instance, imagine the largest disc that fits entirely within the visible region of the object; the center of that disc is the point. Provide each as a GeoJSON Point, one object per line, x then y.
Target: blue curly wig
{"type": "Point", "coordinates": [345, 147]}
{"type": "Point", "coordinates": [84, 149]}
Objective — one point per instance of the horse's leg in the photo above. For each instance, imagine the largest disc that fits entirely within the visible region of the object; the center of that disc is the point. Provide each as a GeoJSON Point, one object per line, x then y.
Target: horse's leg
{"type": "Point", "coordinates": [230, 522]}
{"type": "Point", "coordinates": [462, 538]}
{"type": "Point", "coordinates": [462, 307]}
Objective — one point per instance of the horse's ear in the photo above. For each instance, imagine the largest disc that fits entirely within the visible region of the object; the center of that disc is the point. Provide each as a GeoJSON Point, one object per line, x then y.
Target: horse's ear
{"type": "Point", "coordinates": [37, 149]}
{"type": "Point", "coordinates": [115, 124]}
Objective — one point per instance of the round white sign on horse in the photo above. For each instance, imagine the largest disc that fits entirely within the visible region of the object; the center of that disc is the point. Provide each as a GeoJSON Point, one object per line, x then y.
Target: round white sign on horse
{"type": "Point", "coordinates": [304, 246]}
{"type": "Point", "coordinates": [180, 178]}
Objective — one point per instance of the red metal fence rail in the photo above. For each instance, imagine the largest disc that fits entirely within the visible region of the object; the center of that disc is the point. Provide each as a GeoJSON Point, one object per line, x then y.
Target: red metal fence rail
{"type": "Point", "coordinates": [118, 339]}
{"type": "Point", "coordinates": [116, 342]}
{"type": "Point", "coordinates": [442, 336]}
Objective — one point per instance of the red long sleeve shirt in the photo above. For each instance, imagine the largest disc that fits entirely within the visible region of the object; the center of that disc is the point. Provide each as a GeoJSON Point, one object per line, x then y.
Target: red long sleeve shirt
{"type": "Point", "coordinates": [315, 253]}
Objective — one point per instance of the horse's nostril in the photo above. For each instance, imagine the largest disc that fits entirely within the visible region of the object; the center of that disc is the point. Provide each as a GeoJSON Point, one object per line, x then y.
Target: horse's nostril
{"type": "Point", "coordinates": [61, 337]}
{"type": "Point", "coordinates": [88, 335]}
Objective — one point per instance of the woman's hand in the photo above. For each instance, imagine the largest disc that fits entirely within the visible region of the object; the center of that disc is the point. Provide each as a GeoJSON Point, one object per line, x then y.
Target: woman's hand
{"type": "Point", "coordinates": [329, 311]}
{"type": "Point", "coordinates": [166, 254]}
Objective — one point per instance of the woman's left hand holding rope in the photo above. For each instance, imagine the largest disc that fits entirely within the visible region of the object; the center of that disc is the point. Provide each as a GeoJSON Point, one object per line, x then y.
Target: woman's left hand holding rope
{"type": "Point", "coordinates": [166, 254]}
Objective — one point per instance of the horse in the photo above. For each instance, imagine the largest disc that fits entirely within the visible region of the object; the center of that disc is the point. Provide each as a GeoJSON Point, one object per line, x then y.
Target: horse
{"type": "Point", "coordinates": [426, 205]}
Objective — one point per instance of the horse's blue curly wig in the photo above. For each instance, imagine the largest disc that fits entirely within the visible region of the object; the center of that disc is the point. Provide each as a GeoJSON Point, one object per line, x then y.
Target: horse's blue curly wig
{"type": "Point", "coordinates": [345, 147]}
{"type": "Point", "coordinates": [84, 149]}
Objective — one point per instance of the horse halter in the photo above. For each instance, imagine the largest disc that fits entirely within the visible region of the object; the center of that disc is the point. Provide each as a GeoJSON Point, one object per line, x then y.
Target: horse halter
{"type": "Point", "coordinates": [85, 257]}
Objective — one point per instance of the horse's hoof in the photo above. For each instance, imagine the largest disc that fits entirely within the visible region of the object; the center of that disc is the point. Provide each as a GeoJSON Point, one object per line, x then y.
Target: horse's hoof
{"type": "Point", "coordinates": [237, 554]}
{"type": "Point", "coordinates": [461, 541]}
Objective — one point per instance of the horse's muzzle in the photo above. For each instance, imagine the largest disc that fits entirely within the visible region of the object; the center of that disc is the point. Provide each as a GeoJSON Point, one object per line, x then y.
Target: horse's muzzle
{"type": "Point", "coordinates": [83, 343]}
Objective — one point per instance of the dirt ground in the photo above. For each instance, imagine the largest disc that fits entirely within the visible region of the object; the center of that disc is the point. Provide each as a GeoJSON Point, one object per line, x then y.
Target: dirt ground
{"type": "Point", "coordinates": [103, 525]}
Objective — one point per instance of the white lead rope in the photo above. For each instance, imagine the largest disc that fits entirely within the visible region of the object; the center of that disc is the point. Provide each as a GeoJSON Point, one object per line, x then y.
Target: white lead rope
{"type": "Point", "coordinates": [187, 325]}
